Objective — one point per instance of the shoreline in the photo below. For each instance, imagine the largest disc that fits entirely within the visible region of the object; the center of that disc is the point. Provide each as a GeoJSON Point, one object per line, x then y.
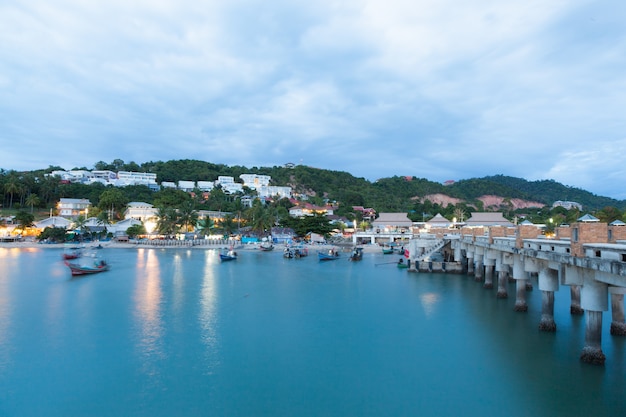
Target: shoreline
{"type": "Point", "coordinates": [370, 248]}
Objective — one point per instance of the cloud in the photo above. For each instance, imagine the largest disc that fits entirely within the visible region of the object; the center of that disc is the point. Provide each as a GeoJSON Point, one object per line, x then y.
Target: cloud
{"type": "Point", "coordinates": [436, 89]}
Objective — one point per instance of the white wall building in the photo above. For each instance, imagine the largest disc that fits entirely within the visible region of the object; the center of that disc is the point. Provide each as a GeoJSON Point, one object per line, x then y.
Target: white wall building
{"type": "Point", "coordinates": [254, 181]}
{"type": "Point", "coordinates": [273, 190]}
{"type": "Point", "coordinates": [73, 207]}
{"type": "Point", "coordinates": [140, 211]}
{"type": "Point", "coordinates": [205, 185]}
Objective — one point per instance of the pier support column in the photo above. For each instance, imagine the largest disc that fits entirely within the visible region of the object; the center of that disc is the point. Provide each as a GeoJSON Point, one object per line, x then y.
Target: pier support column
{"type": "Point", "coordinates": [592, 352]}
{"type": "Point", "coordinates": [575, 309]}
{"type": "Point", "coordinates": [618, 326]}
{"type": "Point", "coordinates": [520, 276]}
{"type": "Point", "coordinates": [520, 296]}
{"type": "Point", "coordinates": [470, 263]}
{"type": "Point", "coordinates": [478, 271]}
{"type": "Point", "coordinates": [594, 300]}
{"type": "Point", "coordinates": [548, 284]}
{"type": "Point", "coordinates": [572, 276]}
{"type": "Point", "coordinates": [489, 267]}
{"type": "Point", "coordinates": [502, 270]}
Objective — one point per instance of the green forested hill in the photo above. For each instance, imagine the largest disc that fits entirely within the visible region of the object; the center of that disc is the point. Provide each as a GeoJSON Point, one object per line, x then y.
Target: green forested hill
{"type": "Point", "coordinates": [386, 194]}
{"type": "Point", "coordinates": [393, 194]}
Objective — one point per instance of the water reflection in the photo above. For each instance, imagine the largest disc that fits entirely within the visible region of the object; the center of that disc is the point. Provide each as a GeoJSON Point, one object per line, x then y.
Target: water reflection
{"type": "Point", "coordinates": [429, 301]}
{"type": "Point", "coordinates": [5, 304]}
{"type": "Point", "coordinates": [148, 300]}
{"type": "Point", "coordinates": [208, 313]}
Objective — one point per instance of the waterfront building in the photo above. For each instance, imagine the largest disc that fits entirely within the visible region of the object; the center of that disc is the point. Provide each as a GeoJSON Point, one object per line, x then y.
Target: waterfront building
{"type": "Point", "coordinates": [73, 207]}
{"type": "Point", "coordinates": [140, 211]}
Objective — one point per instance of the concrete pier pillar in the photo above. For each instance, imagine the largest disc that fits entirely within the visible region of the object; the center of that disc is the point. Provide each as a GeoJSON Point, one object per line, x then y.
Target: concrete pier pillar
{"type": "Point", "coordinates": [594, 297]}
{"type": "Point", "coordinates": [488, 277]}
{"type": "Point", "coordinates": [548, 284]}
{"type": "Point", "coordinates": [547, 323]}
{"type": "Point", "coordinates": [618, 326]}
{"type": "Point", "coordinates": [470, 263]}
{"type": "Point", "coordinates": [520, 295]}
{"type": "Point", "coordinates": [520, 276]}
{"type": "Point", "coordinates": [592, 352]}
{"type": "Point", "coordinates": [575, 308]}
{"type": "Point", "coordinates": [503, 280]}
{"type": "Point", "coordinates": [478, 270]}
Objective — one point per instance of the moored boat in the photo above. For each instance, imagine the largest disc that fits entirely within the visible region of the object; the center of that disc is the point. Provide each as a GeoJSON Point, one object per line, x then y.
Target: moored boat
{"type": "Point", "coordinates": [329, 255]}
{"type": "Point", "coordinates": [71, 252]}
{"type": "Point", "coordinates": [230, 255]}
{"type": "Point", "coordinates": [266, 246]}
{"type": "Point", "coordinates": [387, 250]}
{"type": "Point", "coordinates": [87, 264]}
{"type": "Point", "coordinates": [357, 254]}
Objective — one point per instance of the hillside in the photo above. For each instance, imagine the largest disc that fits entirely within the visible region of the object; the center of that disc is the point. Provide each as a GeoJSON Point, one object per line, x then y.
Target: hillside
{"type": "Point", "coordinates": [416, 196]}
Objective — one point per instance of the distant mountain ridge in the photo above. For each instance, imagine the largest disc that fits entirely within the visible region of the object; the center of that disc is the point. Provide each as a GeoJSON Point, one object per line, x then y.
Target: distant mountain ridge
{"type": "Point", "coordinates": [391, 194]}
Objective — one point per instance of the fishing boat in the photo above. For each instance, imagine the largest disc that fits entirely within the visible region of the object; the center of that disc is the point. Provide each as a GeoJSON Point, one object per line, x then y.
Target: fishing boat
{"type": "Point", "coordinates": [266, 246]}
{"type": "Point", "coordinates": [87, 264]}
{"type": "Point", "coordinates": [329, 255]}
{"type": "Point", "coordinates": [401, 264]}
{"type": "Point", "coordinates": [357, 254]}
{"type": "Point", "coordinates": [230, 255]}
{"type": "Point", "coordinates": [71, 252]}
{"type": "Point", "coordinates": [295, 252]}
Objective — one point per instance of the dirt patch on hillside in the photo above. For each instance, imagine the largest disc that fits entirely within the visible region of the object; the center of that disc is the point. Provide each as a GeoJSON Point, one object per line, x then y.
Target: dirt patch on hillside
{"type": "Point", "coordinates": [489, 201]}
{"type": "Point", "coordinates": [494, 201]}
{"type": "Point", "coordinates": [441, 199]}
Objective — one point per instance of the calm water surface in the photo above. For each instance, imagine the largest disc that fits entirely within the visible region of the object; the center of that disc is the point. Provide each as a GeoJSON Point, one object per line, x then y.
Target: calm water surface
{"type": "Point", "coordinates": [176, 333]}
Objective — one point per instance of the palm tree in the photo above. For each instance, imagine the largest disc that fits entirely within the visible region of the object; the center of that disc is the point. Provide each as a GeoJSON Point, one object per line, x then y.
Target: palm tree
{"type": "Point", "coordinates": [205, 225]}
{"type": "Point", "coordinates": [11, 187]}
{"type": "Point", "coordinates": [32, 200]}
{"type": "Point", "coordinates": [167, 221]}
{"type": "Point", "coordinates": [80, 224]}
{"type": "Point", "coordinates": [187, 216]}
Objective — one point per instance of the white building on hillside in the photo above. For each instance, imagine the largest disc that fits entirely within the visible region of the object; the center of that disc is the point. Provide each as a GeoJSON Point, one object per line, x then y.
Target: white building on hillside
{"type": "Point", "coordinates": [186, 185]}
{"type": "Point", "coordinates": [205, 185]}
{"type": "Point", "coordinates": [254, 181]}
{"type": "Point", "coordinates": [140, 211]}
{"type": "Point", "coordinates": [73, 207]}
{"type": "Point", "coordinates": [271, 191]}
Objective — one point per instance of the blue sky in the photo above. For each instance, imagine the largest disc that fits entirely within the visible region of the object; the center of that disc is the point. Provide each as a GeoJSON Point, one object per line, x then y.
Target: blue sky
{"type": "Point", "coordinates": [437, 89]}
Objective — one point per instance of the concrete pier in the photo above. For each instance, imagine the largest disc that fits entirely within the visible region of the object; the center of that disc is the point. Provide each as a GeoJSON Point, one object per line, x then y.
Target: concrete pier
{"type": "Point", "coordinates": [548, 284]}
{"type": "Point", "coordinates": [547, 323]}
{"type": "Point", "coordinates": [520, 276]}
{"type": "Point", "coordinates": [478, 272]}
{"type": "Point", "coordinates": [592, 352]}
{"type": "Point", "coordinates": [618, 326]}
{"type": "Point", "coordinates": [488, 276]}
{"type": "Point", "coordinates": [503, 280]}
{"type": "Point", "coordinates": [594, 297]}
{"type": "Point", "coordinates": [575, 308]}
{"type": "Point", "coordinates": [520, 295]}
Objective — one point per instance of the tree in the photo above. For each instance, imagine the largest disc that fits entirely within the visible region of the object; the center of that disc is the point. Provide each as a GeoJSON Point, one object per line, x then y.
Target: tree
{"type": "Point", "coordinates": [187, 216]}
{"type": "Point", "coordinates": [24, 220]}
{"type": "Point", "coordinates": [114, 201]}
{"type": "Point", "coordinates": [205, 225]}
{"type": "Point", "coordinates": [11, 187]}
{"type": "Point", "coordinates": [167, 221]}
{"type": "Point", "coordinates": [54, 234]}
{"type": "Point", "coordinates": [32, 200]}
{"type": "Point", "coordinates": [135, 230]}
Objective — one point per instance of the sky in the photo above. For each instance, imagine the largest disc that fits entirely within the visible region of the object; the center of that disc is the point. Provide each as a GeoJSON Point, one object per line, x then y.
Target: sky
{"type": "Point", "coordinates": [436, 89]}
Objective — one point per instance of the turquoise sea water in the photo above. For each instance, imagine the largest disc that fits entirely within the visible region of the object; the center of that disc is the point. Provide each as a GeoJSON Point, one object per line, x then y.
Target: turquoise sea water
{"type": "Point", "coordinates": [175, 332]}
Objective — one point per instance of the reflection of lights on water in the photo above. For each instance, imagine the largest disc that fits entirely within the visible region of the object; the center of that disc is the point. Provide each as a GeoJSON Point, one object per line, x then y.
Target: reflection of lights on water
{"type": "Point", "coordinates": [208, 316]}
{"type": "Point", "coordinates": [148, 296]}
{"type": "Point", "coordinates": [428, 301]}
